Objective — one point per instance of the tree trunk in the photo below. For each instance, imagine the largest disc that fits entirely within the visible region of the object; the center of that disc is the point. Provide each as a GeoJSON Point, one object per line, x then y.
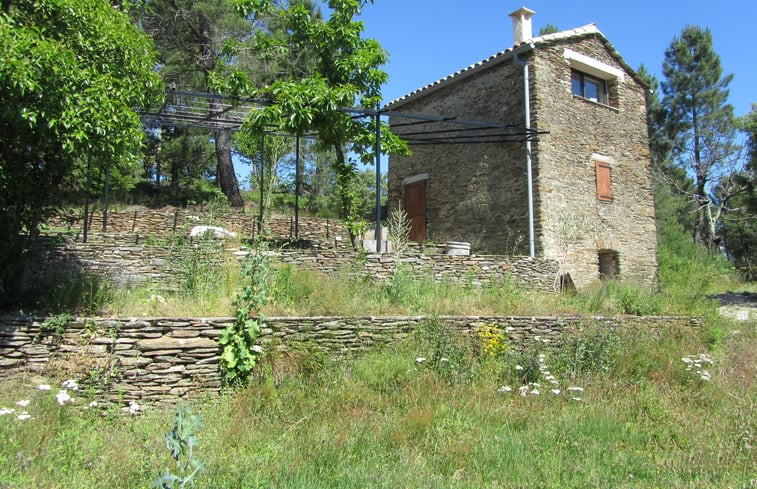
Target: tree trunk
{"type": "Point", "coordinates": [227, 179]}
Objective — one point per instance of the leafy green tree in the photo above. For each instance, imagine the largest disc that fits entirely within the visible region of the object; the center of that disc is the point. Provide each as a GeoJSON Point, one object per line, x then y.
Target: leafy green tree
{"type": "Point", "coordinates": [672, 207]}
{"type": "Point", "coordinates": [346, 72]}
{"type": "Point", "coordinates": [700, 128]}
{"type": "Point", "coordinates": [71, 73]}
{"type": "Point", "coordinates": [266, 157]}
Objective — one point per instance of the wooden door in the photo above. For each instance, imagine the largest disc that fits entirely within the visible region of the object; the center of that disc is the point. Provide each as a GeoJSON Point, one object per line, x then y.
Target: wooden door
{"type": "Point", "coordinates": [415, 207]}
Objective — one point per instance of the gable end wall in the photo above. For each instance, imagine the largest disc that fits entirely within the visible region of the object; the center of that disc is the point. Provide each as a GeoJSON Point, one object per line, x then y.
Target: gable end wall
{"type": "Point", "coordinates": [575, 225]}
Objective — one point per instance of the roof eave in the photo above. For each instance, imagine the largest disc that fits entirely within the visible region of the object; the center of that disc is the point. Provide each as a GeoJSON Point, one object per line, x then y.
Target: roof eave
{"type": "Point", "coordinates": [460, 75]}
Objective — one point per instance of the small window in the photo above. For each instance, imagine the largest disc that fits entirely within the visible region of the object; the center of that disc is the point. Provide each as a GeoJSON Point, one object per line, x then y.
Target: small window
{"type": "Point", "coordinates": [604, 181]}
{"type": "Point", "coordinates": [609, 267]}
{"type": "Point", "coordinates": [588, 87]}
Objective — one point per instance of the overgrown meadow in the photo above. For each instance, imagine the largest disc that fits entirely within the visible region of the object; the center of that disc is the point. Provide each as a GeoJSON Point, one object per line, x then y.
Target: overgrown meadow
{"type": "Point", "coordinates": [621, 408]}
{"type": "Point", "coordinates": [603, 407]}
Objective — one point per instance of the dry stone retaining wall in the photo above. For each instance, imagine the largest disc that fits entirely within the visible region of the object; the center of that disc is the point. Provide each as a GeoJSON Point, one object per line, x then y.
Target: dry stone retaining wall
{"type": "Point", "coordinates": [146, 223]}
{"type": "Point", "coordinates": [130, 264]}
{"type": "Point", "coordinates": [534, 273]}
{"type": "Point", "coordinates": [162, 360]}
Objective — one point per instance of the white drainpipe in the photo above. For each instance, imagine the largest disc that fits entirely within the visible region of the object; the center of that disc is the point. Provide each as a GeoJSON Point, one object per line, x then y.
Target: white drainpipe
{"type": "Point", "coordinates": [527, 109]}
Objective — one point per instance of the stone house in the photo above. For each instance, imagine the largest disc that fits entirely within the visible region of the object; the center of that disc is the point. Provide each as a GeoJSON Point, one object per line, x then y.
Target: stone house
{"type": "Point", "coordinates": [563, 172]}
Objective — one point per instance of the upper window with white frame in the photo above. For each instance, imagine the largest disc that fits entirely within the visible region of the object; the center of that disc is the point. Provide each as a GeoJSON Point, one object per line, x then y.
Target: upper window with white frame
{"type": "Point", "coordinates": [588, 87]}
{"type": "Point", "coordinates": [594, 80]}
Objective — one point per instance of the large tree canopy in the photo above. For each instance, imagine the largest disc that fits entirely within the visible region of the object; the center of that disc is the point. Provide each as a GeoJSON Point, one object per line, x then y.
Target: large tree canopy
{"type": "Point", "coordinates": [71, 73]}
{"type": "Point", "coordinates": [701, 128]}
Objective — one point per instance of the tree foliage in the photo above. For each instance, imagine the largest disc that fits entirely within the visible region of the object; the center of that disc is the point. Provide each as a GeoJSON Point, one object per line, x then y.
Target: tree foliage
{"type": "Point", "coordinates": [700, 129]}
{"type": "Point", "coordinates": [346, 72]}
{"type": "Point", "coordinates": [192, 38]}
{"type": "Point", "coordinates": [71, 73]}
{"type": "Point", "coordinates": [740, 230]}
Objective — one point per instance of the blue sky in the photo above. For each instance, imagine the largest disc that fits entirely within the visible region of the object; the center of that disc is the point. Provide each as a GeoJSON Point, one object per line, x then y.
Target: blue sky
{"type": "Point", "coordinates": [430, 39]}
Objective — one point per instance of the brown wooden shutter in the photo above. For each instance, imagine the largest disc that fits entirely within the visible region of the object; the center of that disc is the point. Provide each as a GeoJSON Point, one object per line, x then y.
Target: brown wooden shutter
{"type": "Point", "coordinates": [604, 185]}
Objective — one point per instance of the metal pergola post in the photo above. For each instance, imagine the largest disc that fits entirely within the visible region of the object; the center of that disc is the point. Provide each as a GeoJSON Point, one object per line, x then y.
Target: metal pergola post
{"type": "Point", "coordinates": [262, 184]}
{"type": "Point", "coordinates": [378, 179]}
{"type": "Point", "coordinates": [297, 177]}
{"type": "Point", "coordinates": [86, 194]}
{"type": "Point", "coordinates": [105, 199]}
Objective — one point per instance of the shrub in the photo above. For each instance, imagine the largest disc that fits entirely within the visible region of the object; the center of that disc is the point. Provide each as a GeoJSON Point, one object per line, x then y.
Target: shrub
{"type": "Point", "coordinates": [591, 348]}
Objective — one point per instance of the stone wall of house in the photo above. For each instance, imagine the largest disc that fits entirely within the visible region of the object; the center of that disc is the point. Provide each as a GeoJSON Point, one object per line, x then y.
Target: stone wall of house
{"type": "Point", "coordinates": [164, 266]}
{"type": "Point", "coordinates": [573, 221]}
{"type": "Point", "coordinates": [162, 360]}
{"type": "Point", "coordinates": [475, 193]}
{"type": "Point", "coordinates": [149, 225]}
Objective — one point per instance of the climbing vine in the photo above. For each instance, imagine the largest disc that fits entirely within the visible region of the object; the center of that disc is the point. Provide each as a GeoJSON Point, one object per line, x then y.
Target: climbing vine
{"type": "Point", "coordinates": [238, 339]}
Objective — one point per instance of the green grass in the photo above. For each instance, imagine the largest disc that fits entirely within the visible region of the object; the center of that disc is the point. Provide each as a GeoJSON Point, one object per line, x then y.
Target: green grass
{"type": "Point", "coordinates": [385, 420]}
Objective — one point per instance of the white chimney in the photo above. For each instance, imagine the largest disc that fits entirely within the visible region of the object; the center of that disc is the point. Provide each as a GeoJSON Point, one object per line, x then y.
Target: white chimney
{"type": "Point", "coordinates": [522, 24]}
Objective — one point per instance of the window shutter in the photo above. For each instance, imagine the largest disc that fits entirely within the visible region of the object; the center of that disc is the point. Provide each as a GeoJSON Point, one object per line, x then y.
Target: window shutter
{"type": "Point", "coordinates": [604, 187]}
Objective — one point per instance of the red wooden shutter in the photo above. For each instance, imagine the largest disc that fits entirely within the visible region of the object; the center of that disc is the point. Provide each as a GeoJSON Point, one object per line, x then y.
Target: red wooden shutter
{"type": "Point", "coordinates": [604, 185]}
{"type": "Point", "coordinates": [415, 207]}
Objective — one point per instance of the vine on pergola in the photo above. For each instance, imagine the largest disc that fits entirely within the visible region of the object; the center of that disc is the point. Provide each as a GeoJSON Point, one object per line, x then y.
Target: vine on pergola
{"type": "Point", "coordinates": [346, 72]}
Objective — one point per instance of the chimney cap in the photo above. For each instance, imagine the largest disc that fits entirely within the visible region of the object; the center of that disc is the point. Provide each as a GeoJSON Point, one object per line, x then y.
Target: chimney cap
{"type": "Point", "coordinates": [522, 12]}
{"type": "Point", "coordinates": [522, 24]}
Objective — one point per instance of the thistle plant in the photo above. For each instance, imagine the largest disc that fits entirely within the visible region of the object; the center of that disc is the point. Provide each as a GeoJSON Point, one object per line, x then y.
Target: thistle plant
{"type": "Point", "coordinates": [181, 441]}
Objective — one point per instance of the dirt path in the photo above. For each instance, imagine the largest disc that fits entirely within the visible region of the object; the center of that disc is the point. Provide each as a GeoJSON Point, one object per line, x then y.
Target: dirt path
{"type": "Point", "coordinates": [738, 305]}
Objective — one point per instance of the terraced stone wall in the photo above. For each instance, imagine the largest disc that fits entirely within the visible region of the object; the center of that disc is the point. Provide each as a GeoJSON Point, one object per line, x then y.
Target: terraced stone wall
{"type": "Point", "coordinates": [148, 224]}
{"type": "Point", "coordinates": [132, 264]}
{"type": "Point", "coordinates": [163, 360]}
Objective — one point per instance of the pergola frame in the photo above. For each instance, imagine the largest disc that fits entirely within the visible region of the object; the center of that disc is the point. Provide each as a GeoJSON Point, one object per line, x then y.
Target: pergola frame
{"type": "Point", "coordinates": [219, 112]}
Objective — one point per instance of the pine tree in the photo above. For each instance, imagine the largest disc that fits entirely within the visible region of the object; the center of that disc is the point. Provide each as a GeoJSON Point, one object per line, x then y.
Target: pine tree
{"type": "Point", "coordinates": [700, 128]}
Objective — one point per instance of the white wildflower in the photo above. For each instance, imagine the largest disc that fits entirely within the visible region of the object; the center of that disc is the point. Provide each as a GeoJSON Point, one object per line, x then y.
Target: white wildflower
{"type": "Point", "coordinates": [44, 387]}
{"type": "Point", "coordinates": [420, 359]}
{"type": "Point", "coordinates": [535, 392]}
{"type": "Point", "coordinates": [523, 390]}
{"type": "Point", "coordinates": [444, 359]}
{"type": "Point", "coordinates": [504, 389]}
{"type": "Point", "coordinates": [577, 399]}
{"type": "Point", "coordinates": [5, 410]}
{"type": "Point", "coordinates": [555, 392]}
{"type": "Point", "coordinates": [518, 367]}
{"type": "Point", "coordinates": [576, 389]}
{"type": "Point", "coordinates": [92, 404]}
{"type": "Point", "coordinates": [257, 348]}
{"type": "Point", "coordinates": [62, 397]}
{"type": "Point", "coordinates": [686, 360]}
{"type": "Point", "coordinates": [71, 384]}
{"type": "Point", "coordinates": [23, 403]}
{"type": "Point", "coordinates": [133, 408]}
{"type": "Point", "coordinates": [23, 416]}
{"type": "Point", "coordinates": [534, 384]}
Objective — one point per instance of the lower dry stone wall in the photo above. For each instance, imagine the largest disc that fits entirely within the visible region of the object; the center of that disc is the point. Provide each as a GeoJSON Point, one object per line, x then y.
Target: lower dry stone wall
{"type": "Point", "coordinates": [160, 360]}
